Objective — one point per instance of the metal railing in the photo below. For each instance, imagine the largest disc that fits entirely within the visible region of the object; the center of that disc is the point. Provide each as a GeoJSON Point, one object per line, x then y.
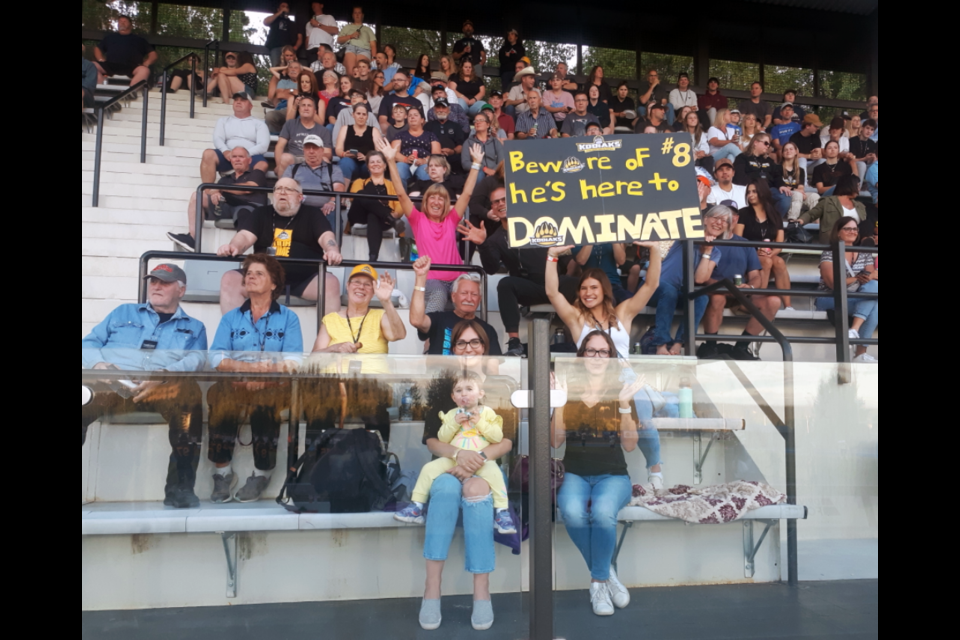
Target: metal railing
{"type": "Point", "coordinates": [101, 111]}
{"type": "Point", "coordinates": [206, 65]}
{"type": "Point", "coordinates": [321, 267]}
{"type": "Point", "coordinates": [194, 58]}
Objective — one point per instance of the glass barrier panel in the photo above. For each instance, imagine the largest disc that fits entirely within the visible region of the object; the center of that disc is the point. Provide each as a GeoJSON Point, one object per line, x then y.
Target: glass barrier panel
{"type": "Point", "coordinates": [338, 479]}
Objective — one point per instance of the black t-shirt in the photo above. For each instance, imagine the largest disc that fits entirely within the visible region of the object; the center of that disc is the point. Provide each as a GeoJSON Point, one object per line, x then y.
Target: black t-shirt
{"type": "Point", "coordinates": [476, 48]}
{"type": "Point", "coordinates": [601, 111]}
{"type": "Point", "coordinates": [497, 392]}
{"type": "Point", "coordinates": [297, 237]}
{"type": "Point", "coordinates": [606, 94]}
{"type": "Point", "coordinates": [805, 144]}
{"type": "Point", "coordinates": [761, 110]}
{"type": "Point", "coordinates": [165, 317]}
{"type": "Point", "coordinates": [860, 148]}
{"type": "Point", "coordinates": [335, 106]}
{"type": "Point", "coordinates": [663, 127]}
{"type": "Point", "coordinates": [829, 175]}
{"type": "Point", "coordinates": [422, 144]}
{"type": "Point", "coordinates": [441, 330]}
{"type": "Point", "coordinates": [256, 198]}
{"type": "Point", "coordinates": [450, 134]}
{"type": "Point", "coordinates": [619, 106]}
{"type": "Point", "coordinates": [125, 50]}
{"type": "Point", "coordinates": [469, 88]}
{"type": "Point", "coordinates": [756, 231]}
{"type": "Point", "coordinates": [749, 167]}
{"type": "Point", "coordinates": [795, 180]}
{"type": "Point", "coordinates": [283, 33]}
{"type": "Point", "coordinates": [593, 439]}
{"type": "Point", "coordinates": [388, 102]}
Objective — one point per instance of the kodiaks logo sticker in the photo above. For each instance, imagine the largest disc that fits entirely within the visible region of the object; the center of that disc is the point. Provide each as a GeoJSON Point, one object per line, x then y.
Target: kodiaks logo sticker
{"type": "Point", "coordinates": [573, 165]}
{"type": "Point", "coordinates": [547, 235]}
{"type": "Point", "coordinates": [599, 144]}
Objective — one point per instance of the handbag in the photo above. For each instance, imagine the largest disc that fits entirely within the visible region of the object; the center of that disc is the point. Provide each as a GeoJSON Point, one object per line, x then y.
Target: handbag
{"type": "Point", "coordinates": [521, 475]}
{"type": "Point", "coordinates": [797, 234]}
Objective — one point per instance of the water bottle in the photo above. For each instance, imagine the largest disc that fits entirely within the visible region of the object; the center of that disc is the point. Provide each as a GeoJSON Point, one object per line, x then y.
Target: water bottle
{"type": "Point", "coordinates": [738, 280]}
{"type": "Point", "coordinates": [686, 399]}
{"type": "Point", "coordinates": [406, 407]}
{"type": "Point", "coordinates": [559, 337]}
{"type": "Point", "coordinates": [536, 129]}
{"type": "Point", "coordinates": [414, 253]}
{"type": "Point", "coordinates": [637, 350]}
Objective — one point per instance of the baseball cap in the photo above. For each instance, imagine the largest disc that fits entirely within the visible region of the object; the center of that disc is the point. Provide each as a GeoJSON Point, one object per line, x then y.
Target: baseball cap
{"type": "Point", "coordinates": [657, 105]}
{"type": "Point", "coordinates": [468, 22]}
{"type": "Point", "coordinates": [812, 118]}
{"type": "Point", "coordinates": [487, 107]}
{"type": "Point", "coordinates": [167, 273]}
{"type": "Point", "coordinates": [737, 111]}
{"type": "Point", "coordinates": [241, 96]}
{"type": "Point", "coordinates": [787, 104]}
{"type": "Point", "coordinates": [499, 94]}
{"type": "Point", "coordinates": [316, 141]}
{"type": "Point", "coordinates": [363, 270]}
{"type": "Point", "coordinates": [438, 75]}
{"type": "Point", "coordinates": [441, 102]}
{"type": "Point", "coordinates": [722, 162]}
{"type": "Point", "coordinates": [730, 203]}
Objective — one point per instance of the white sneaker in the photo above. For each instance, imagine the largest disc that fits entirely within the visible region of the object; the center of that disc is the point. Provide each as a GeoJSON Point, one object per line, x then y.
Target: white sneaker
{"type": "Point", "coordinates": [600, 597]}
{"type": "Point", "coordinates": [618, 592]}
{"type": "Point", "coordinates": [656, 482]}
{"type": "Point", "coordinates": [866, 358]}
{"type": "Point", "coordinates": [790, 309]}
{"type": "Point", "coordinates": [854, 334]}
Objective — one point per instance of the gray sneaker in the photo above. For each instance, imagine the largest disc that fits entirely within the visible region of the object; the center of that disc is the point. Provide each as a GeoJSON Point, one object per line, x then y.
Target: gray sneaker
{"type": "Point", "coordinates": [482, 618]}
{"type": "Point", "coordinates": [430, 616]}
{"type": "Point", "coordinates": [223, 488]}
{"type": "Point", "coordinates": [251, 491]}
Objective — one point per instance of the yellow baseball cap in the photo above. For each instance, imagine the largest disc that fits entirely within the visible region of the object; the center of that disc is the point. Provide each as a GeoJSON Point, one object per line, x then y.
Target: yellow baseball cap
{"type": "Point", "coordinates": [363, 270]}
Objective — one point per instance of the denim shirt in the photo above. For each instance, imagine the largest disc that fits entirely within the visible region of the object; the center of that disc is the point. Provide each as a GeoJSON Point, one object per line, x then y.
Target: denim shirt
{"type": "Point", "coordinates": [238, 338]}
{"type": "Point", "coordinates": [872, 181]}
{"type": "Point", "coordinates": [119, 339]}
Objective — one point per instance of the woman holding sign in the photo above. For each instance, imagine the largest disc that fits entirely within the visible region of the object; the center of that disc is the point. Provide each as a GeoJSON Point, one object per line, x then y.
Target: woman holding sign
{"type": "Point", "coordinates": [435, 228]}
{"type": "Point", "coordinates": [594, 311]}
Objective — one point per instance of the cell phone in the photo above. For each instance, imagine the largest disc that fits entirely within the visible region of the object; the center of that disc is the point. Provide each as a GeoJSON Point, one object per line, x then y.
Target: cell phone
{"type": "Point", "coordinates": [354, 152]}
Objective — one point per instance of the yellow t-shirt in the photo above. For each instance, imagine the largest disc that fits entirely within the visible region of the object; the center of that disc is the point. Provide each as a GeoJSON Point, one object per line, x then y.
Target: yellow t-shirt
{"type": "Point", "coordinates": [370, 334]}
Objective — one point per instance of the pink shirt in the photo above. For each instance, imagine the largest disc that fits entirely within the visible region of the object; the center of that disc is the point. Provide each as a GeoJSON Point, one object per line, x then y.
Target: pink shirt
{"type": "Point", "coordinates": [439, 241]}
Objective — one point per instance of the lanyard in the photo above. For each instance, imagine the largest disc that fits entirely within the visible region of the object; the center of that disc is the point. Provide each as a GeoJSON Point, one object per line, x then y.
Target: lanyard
{"type": "Point", "coordinates": [360, 332]}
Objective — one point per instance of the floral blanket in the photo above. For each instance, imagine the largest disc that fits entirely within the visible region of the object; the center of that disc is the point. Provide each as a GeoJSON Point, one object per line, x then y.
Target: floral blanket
{"type": "Point", "coordinates": [718, 504]}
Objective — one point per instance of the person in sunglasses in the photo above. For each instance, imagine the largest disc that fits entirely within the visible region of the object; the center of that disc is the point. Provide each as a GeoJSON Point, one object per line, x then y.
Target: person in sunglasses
{"type": "Point", "coordinates": [756, 163]}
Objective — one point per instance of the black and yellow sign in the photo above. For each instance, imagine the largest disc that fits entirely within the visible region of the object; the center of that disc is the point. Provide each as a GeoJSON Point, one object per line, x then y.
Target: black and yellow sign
{"type": "Point", "coordinates": [602, 190]}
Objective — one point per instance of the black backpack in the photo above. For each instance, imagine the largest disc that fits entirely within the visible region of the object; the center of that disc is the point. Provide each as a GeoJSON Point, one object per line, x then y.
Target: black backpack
{"type": "Point", "coordinates": [346, 472]}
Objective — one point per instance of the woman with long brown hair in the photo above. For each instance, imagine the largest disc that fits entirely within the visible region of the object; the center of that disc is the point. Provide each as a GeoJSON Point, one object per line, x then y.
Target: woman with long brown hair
{"type": "Point", "coordinates": [596, 79]}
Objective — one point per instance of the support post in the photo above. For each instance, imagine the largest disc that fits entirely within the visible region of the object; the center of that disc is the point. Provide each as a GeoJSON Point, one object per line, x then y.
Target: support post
{"type": "Point", "coordinates": [193, 88]}
{"type": "Point", "coordinates": [143, 125]}
{"type": "Point", "coordinates": [790, 417]}
{"type": "Point", "coordinates": [198, 223]}
{"type": "Point", "coordinates": [841, 303]}
{"type": "Point", "coordinates": [163, 108]}
{"type": "Point", "coordinates": [689, 274]}
{"type": "Point", "coordinates": [541, 490]}
{"type": "Point", "coordinates": [701, 68]}
{"type": "Point", "coordinates": [230, 551]}
{"type": "Point", "coordinates": [206, 72]}
{"type": "Point", "coordinates": [97, 155]}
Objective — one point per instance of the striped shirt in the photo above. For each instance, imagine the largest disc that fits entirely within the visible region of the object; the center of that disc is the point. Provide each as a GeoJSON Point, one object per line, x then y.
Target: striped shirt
{"type": "Point", "coordinates": [545, 123]}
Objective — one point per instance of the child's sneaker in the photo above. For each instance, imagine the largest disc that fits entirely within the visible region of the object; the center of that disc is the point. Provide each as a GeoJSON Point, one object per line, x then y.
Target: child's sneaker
{"type": "Point", "coordinates": [504, 523]}
{"type": "Point", "coordinates": [413, 514]}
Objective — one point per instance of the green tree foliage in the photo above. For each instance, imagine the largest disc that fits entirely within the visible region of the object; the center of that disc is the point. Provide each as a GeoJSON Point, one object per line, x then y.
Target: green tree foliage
{"type": "Point", "coordinates": [782, 79]}
{"type": "Point", "coordinates": [412, 43]}
{"type": "Point", "coordinates": [101, 15]}
{"type": "Point", "coordinates": [617, 65]}
{"type": "Point", "coordinates": [668, 66]}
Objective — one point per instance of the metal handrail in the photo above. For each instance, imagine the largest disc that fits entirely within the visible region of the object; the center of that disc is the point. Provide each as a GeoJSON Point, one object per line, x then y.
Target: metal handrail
{"type": "Point", "coordinates": [321, 273]}
{"type": "Point", "coordinates": [98, 150]}
{"type": "Point", "coordinates": [194, 58]}
{"type": "Point", "coordinates": [206, 65]}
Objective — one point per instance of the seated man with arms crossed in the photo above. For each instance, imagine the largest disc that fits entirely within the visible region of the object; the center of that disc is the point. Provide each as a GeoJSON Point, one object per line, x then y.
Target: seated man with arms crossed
{"type": "Point", "coordinates": [125, 54]}
{"type": "Point", "coordinates": [156, 336]}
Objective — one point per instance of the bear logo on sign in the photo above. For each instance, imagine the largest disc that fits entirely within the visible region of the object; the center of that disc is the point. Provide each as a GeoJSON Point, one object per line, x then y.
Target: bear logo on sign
{"type": "Point", "coordinates": [546, 235]}
{"type": "Point", "coordinates": [573, 165]}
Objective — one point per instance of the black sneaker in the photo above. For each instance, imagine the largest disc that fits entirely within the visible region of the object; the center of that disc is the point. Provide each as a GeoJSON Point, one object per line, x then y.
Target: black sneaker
{"type": "Point", "coordinates": [184, 241]}
{"type": "Point", "coordinates": [515, 349]}
{"type": "Point", "coordinates": [743, 354]}
{"type": "Point", "coordinates": [707, 352]}
{"type": "Point", "coordinates": [182, 498]}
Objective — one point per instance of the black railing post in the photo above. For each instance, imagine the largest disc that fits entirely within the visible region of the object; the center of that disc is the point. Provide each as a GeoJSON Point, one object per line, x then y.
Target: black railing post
{"type": "Point", "coordinates": [322, 295]}
{"type": "Point", "coordinates": [198, 223]}
{"type": "Point", "coordinates": [163, 108]}
{"type": "Point", "coordinates": [97, 156]}
{"type": "Point", "coordinates": [841, 304]}
{"type": "Point", "coordinates": [143, 125]}
{"type": "Point", "coordinates": [689, 284]}
{"type": "Point", "coordinates": [206, 72]}
{"type": "Point", "coordinates": [193, 88]}
{"type": "Point", "coordinates": [541, 488]}
{"type": "Point", "coordinates": [339, 230]}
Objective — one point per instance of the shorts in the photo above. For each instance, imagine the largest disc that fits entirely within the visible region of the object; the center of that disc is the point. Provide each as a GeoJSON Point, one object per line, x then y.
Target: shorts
{"type": "Point", "coordinates": [88, 100]}
{"type": "Point", "coordinates": [227, 211]}
{"type": "Point", "coordinates": [251, 91]}
{"type": "Point", "coordinates": [223, 165]}
{"type": "Point", "coordinates": [116, 69]}
{"type": "Point", "coordinates": [350, 48]}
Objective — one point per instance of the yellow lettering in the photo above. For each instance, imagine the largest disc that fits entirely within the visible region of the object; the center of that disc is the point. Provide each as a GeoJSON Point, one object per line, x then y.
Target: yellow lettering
{"type": "Point", "coordinates": [620, 187]}
{"type": "Point", "coordinates": [579, 231]}
{"type": "Point", "coordinates": [532, 167]}
{"type": "Point", "coordinates": [550, 166]}
{"type": "Point", "coordinates": [653, 225]}
{"type": "Point", "coordinates": [559, 187]}
{"type": "Point", "coordinates": [629, 231]}
{"type": "Point", "coordinates": [514, 193]}
{"type": "Point", "coordinates": [520, 239]}
{"type": "Point", "coordinates": [635, 189]}
{"type": "Point", "coordinates": [537, 196]}
{"type": "Point", "coordinates": [606, 190]}
{"type": "Point", "coordinates": [586, 191]}
{"type": "Point", "coordinates": [692, 227]}
{"type": "Point", "coordinates": [605, 164]}
{"type": "Point", "coordinates": [592, 161]}
{"type": "Point", "coordinates": [606, 231]}
{"type": "Point", "coordinates": [641, 156]}
{"type": "Point", "coordinates": [516, 161]}
{"type": "Point", "coordinates": [671, 217]}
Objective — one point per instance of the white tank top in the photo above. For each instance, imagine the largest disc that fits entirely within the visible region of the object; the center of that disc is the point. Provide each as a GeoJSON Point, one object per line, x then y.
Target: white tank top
{"type": "Point", "coordinates": [619, 335]}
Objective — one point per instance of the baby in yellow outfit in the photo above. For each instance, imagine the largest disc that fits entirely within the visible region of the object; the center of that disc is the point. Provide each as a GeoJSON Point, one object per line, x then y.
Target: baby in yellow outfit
{"type": "Point", "coordinates": [470, 427]}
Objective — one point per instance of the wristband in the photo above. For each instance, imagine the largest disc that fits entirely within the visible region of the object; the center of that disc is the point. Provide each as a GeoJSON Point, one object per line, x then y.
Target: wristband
{"type": "Point", "coordinates": [626, 412]}
{"type": "Point", "coordinates": [552, 259]}
{"type": "Point", "coordinates": [476, 167]}
{"type": "Point", "coordinates": [420, 289]}
{"type": "Point", "coordinates": [707, 256]}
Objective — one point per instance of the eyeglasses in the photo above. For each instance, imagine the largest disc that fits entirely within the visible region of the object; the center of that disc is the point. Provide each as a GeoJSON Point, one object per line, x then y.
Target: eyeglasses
{"type": "Point", "coordinates": [361, 283]}
{"type": "Point", "coordinates": [763, 142]}
{"type": "Point", "coordinates": [473, 344]}
{"type": "Point", "coordinates": [500, 201]}
{"type": "Point", "coordinates": [850, 230]}
{"type": "Point", "coordinates": [593, 353]}
{"type": "Point", "coordinates": [285, 190]}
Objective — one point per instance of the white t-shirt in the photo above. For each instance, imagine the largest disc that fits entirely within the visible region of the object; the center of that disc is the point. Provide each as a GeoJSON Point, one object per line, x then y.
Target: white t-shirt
{"type": "Point", "coordinates": [844, 143]}
{"type": "Point", "coordinates": [703, 145]}
{"type": "Point", "coordinates": [738, 195]}
{"type": "Point", "coordinates": [316, 36]}
{"type": "Point", "coordinates": [851, 213]}
{"type": "Point", "coordinates": [715, 133]}
{"type": "Point", "coordinates": [680, 99]}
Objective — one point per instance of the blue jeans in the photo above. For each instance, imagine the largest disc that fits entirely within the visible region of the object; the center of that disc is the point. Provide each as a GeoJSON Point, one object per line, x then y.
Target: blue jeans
{"type": "Point", "coordinates": [782, 202]}
{"type": "Point", "coordinates": [406, 172]}
{"type": "Point", "coordinates": [828, 192]}
{"type": "Point", "coordinates": [867, 310]}
{"type": "Point", "coordinates": [593, 527]}
{"type": "Point", "coordinates": [731, 151]}
{"type": "Point", "coordinates": [446, 501]}
{"type": "Point", "coordinates": [649, 442]}
{"type": "Point", "coordinates": [353, 169]}
{"type": "Point", "coordinates": [666, 300]}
